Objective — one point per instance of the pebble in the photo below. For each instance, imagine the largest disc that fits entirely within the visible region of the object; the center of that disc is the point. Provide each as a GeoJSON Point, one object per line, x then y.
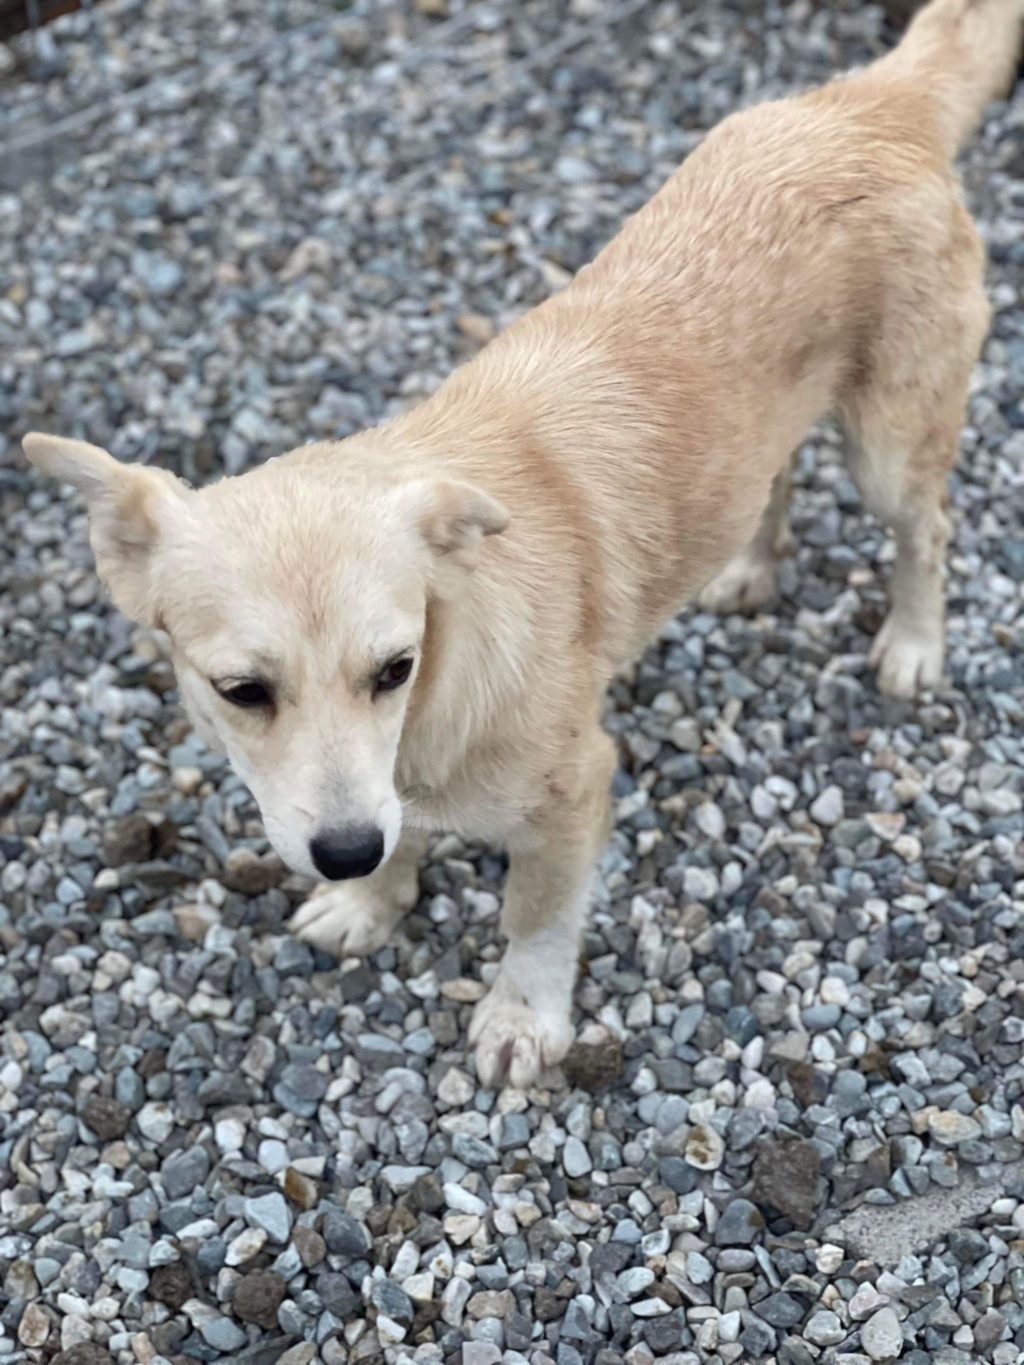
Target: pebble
{"type": "Point", "coordinates": [229, 1135]}
{"type": "Point", "coordinates": [34, 1327]}
{"type": "Point", "coordinates": [705, 1148]}
{"type": "Point", "coordinates": [257, 1298]}
{"type": "Point", "coordinates": [739, 1225]}
{"type": "Point", "coordinates": [824, 1329]}
{"type": "Point", "coordinates": [183, 1172]}
{"type": "Point", "coordinates": [222, 1334]}
{"type": "Point", "coordinates": [155, 1121]}
{"type": "Point", "coordinates": [269, 1213]}
{"type": "Point", "coordinates": [828, 807]}
{"type": "Point", "coordinates": [951, 1128]}
{"type": "Point", "coordinates": [881, 1336]}
{"type": "Point", "coordinates": [248, 1243]}
{"type": "Point", "coordinates": [575, 1157]}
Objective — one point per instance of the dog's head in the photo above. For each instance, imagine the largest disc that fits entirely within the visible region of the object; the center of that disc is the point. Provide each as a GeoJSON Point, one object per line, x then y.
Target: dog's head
{"type": "Point", "coordinates": [295, 597]}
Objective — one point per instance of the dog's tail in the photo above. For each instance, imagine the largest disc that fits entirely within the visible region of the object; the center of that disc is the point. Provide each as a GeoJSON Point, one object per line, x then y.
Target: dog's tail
{"type": "Point", "coordinates": [965, 53]}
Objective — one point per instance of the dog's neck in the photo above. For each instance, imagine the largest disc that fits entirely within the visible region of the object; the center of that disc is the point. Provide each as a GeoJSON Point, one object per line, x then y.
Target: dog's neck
{"type": "Point", "coordinates": [493, 632]}
{"type": "Point", "coordinates": [470, 665]}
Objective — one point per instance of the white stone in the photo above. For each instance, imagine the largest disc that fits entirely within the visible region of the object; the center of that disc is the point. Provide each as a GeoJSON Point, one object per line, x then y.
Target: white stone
{"type": "Point", "coordinates": [827, 807]}
{"type": "Point", "coordinates": [272, 1155]}
{"type": "Point", "coordinates": [155, 1121]}
{"type": "Point", "coordinates": [882, 1336]}
{"type": "Point", "coordinates": [389, 1332]}
{"type": "Point", "coordinates": [1000, 802]}
{"type": "Point", "coordinates": [700, 884]}
{"type": "Point", "coordinates": [420, 1288]}
{"type": "Point", "coordinates": [406, 1262]}
{"type": "Point", "coordinates": [729, 1326]}
{"type": "Point", "coordinates": [453, 1301]}
{"type": "Point", "coordinates": [462, 1201]}
{"type": "Point", "coordinates": [650, 1308]}
{"type": "Point", "coordinates": [709, 820]}
{"type": "Point", "coordinates": [824, 1329]}
{"type": "Point", "coordinates": [760, 1094]}
{"type": "Point", "coordinates": [456, 1088]}
{"type": "Point", "coordinates": [950, 1128]}
{"type": "Point", "coordinates": [229, 1135]}
{"type": "Point", "coordinates": [705, 1149]}
{"type": "Point", "coordinates": [245, 1246]}
{"type": "Point", "coordinates": [10, 1076]}
{"type": "Point", "coordinates": [34, 1327]}
{"type": "Point", "coordinates": [829, 1257]}
{"type": "Point", "coordinates": [835, 991]}
{"type": "Point", "coordinates": [866, 1301]}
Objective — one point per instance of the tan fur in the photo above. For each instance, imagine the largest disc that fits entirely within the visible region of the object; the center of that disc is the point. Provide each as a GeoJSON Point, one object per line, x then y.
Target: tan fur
{"type": "Point", "coordinates": [812, 256]}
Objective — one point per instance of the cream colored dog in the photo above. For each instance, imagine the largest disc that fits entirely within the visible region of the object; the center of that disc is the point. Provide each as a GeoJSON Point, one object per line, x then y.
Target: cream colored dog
{"type": "Point", "coordinates": [411, 630]}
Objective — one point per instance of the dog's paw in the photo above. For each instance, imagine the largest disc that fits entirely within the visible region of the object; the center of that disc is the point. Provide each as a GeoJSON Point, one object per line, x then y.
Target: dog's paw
{"type": "Point", "coordinates": [348, 920]}
{"type": "Point", "coordinates": [517, 1041]}
{"type": "Point", "coordinates": [744, 585]}
{"type": "Point", "coordinates": [908, 659]}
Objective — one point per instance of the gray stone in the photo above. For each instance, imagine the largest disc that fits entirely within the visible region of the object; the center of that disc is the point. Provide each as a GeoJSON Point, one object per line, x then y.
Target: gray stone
{"type": "Point", "coordinates": [223, 1334]}
{"type": "Point", "coordinates": [575, 1157]}
{"type": "Point", "coordinates": [781, 1310]}
{"type": "Point", "coordinates": [475, 1153]}
{"type": "Point", "coordinates": [390, 1298]}
{"type": "Point", "coordinates": [271, 1213]}
{"type": "Point", "coordinates": [343, 1235]}
{"type": "Point", "coordinates": [824, 1329]}
{"type": "Point", "coordinates": [183, 1172]}
{"type": "Point", "coordinates": [739, 1224]}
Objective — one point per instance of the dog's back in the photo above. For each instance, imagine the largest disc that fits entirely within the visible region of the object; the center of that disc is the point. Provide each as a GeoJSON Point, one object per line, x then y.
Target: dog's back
{"type": "Point", "coordinates": [806, 248]}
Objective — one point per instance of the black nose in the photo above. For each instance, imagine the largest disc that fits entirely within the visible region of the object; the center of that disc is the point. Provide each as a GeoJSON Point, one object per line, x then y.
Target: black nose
{"type": "Point", "coordinates": [353, 851]}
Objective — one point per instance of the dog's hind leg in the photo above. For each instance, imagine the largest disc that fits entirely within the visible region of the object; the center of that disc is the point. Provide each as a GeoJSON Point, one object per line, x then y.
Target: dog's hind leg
{"type": "Point", "coordinates": [354, 918]}
{"type": "Point", "coordinates": [750, 580]}
{"type": "Point", "coordinates": [523, 1024]}
{"type": "Point", "coordinates": [909, 649]}
{"type": "Point", "coordinates": [904, 424]}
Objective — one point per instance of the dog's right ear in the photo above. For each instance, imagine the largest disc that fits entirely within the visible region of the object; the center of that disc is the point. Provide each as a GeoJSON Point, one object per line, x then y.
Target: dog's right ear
{"type": "Point", "coordinates": [126, 504]}
{"type": "Point", "coordinates": [454, 517]}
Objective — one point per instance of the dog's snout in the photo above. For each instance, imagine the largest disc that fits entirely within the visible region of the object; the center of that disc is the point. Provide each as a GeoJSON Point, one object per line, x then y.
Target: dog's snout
{"type": "Point", "coordinates": [352, 851]}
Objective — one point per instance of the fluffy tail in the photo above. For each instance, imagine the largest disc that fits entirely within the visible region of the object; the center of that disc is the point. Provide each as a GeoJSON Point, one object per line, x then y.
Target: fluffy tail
{"type": "Point", "coordinates": [965, 52]}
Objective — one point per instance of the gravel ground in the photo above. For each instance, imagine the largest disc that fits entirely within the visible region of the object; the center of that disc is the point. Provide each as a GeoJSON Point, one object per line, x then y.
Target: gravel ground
{"type": "Point", "coordinates": [257, 223]}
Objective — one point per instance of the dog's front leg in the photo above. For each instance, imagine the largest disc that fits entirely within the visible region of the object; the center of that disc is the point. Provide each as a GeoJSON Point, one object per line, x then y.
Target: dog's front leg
{"type": "Point", "coordinates": [356, 917]}
{"type": "Point", "coordinates": [522, 1025]}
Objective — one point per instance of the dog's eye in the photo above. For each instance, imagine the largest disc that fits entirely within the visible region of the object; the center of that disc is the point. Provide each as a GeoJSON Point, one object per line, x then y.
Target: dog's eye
{"type": "Point", "coordinates": [249, 694]}
{"type": "Point", "coordinates": [393, 675]}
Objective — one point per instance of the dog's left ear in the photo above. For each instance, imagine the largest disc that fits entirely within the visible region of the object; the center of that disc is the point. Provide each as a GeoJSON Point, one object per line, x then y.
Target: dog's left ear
{"type": "Point", "coordinates": [126, 504]}
{"type": "Point", "coordinates": [454, 517]}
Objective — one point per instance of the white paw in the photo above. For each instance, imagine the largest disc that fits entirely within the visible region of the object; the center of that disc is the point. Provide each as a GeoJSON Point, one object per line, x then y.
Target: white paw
{"type": "Point", "coordinates": [908, 659]}
{"type": "Point", "coordinates": [515, 1040]}
{"type": "Point", "coordinates": [745, 584]}
{"type": "Point", "coordinates": [346, 920]}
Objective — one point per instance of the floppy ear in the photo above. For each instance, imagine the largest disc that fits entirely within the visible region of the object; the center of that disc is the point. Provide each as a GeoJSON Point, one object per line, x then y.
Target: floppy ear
{"type": "Point", "coordinates": [125, 504]}
{"type": "Point", "coordinates": [454, 517]}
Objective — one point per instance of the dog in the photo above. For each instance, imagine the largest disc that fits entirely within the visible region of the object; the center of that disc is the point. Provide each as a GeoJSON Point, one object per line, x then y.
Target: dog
{"type": "Point", "coordinates": [411, 630]}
